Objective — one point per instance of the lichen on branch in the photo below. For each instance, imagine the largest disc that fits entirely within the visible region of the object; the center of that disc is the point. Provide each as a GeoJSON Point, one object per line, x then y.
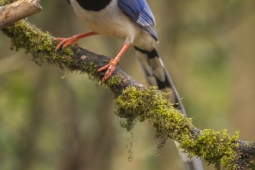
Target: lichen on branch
{"type": "Point", "coordinates": [41, 45]}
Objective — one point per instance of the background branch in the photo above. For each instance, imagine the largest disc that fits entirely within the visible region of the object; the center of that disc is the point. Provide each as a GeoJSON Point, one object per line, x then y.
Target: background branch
{"type": "Point", "coordinates": [17, 11]}
{"type": "Point", "coordinates": [136, 102]}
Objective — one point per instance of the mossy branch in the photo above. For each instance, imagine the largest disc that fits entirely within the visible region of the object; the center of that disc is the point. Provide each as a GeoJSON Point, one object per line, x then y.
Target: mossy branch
{"type": "Point", "coordinates": [137, 102]}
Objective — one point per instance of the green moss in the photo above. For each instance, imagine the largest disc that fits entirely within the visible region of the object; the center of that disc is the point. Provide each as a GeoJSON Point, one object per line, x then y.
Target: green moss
{"type": "Point", "coordinates": [40, 45]}
{"type": "Point", "coordinates": [92, 71]}
{"type": "Point", "coordinates": [114, 80]}
{"type": "Point", "coordinates": [150, 104]}
{"type": "Point", "coordinates": [215, 147]}
{"type": "Point", "coordinates": [252, 163]}
{"type": "Point", "coordinates": [3, 2]}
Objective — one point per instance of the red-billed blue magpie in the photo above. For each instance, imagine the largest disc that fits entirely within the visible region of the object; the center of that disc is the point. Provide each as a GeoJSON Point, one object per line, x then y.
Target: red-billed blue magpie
{"type": "Point", "coordinates": [133, 21]}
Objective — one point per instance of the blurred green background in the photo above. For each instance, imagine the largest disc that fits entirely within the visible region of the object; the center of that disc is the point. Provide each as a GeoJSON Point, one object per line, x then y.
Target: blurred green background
{"type": "Point", "coordinates": [52, 123]}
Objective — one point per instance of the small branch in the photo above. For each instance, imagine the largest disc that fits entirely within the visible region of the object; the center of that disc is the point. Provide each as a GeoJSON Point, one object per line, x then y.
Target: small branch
{"type": "Point", "coordinates": [137, 102]}
{"type": "Point", "coordinates": [17, 11]}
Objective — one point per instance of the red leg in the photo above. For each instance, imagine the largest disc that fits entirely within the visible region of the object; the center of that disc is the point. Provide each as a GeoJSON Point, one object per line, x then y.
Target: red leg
{"type": "Point", "coordinates": [67, 41]}
{"type": "Point", "coordinates": [110, 67]}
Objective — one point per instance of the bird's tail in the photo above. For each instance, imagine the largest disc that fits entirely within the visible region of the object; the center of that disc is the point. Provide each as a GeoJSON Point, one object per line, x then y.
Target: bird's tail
{"type": "Point", "coordinates": [157, 75]}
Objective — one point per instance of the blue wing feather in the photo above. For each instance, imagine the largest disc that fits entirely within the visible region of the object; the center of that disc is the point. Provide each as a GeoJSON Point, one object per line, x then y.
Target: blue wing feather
{"type": "Point", "coordinates": [140, 13]}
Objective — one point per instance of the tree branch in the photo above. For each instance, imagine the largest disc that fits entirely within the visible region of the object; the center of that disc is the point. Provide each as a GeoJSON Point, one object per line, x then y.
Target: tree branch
{"type": "Point", "coordinates": [135, 102]}
{"type": "Point", "coordinates": [17, 11]}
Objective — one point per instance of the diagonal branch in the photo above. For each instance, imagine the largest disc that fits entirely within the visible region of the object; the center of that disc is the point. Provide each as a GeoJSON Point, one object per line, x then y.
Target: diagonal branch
{"type": "Point", "coordinates": [17, 11]}
{"type": "Point", "coordinates": [135, 102]}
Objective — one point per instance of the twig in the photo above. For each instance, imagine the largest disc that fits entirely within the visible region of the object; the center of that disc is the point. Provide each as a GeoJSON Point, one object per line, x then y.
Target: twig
{"type": "Point", "coordinates": [17, 11]}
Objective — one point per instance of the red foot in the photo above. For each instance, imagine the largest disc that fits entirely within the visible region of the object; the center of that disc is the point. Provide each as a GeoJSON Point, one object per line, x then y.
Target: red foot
{"type": "Point", "coordinates": [65, 42]}
{"type": "Point", "coordinates": [110, 67]}
{"type": "Point", "coordinates": [112, 64]}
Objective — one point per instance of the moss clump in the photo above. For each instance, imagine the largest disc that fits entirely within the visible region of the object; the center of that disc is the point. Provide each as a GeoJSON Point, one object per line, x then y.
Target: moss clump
{"type": "Point", "coordinates": [40, 45]}
{"type": "Point", "coordinates": [152, 105]}
{"type": "Point", "coordinates": [114, 80]}
{"type": "Point", "coordinates": [215, 147]}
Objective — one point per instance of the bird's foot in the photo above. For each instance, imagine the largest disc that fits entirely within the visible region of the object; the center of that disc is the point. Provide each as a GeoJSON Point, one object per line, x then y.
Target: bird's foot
{"type": "Point", "coordinates": [110, 67]}
{"type": "Point", "coordinates": [65, 42]}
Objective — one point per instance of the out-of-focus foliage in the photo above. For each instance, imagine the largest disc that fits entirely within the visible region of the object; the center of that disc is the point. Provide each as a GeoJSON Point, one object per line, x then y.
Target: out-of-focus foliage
{"type": "Point", "coordinates": [48, 122]}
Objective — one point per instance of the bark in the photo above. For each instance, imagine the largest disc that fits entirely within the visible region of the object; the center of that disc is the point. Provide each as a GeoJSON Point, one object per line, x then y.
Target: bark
{"type": "Point", "coordinates": [17, 11]}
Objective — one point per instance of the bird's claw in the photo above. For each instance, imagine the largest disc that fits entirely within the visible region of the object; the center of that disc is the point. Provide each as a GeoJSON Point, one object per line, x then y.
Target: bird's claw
{"type": "Point", "coordinates": [110, 67]}
{"type": "Point", "coordinates": [65, 42]}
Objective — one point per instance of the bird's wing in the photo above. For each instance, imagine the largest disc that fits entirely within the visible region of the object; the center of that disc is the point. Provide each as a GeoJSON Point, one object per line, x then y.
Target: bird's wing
{"type": "Point", "coordinates": [139, 11]}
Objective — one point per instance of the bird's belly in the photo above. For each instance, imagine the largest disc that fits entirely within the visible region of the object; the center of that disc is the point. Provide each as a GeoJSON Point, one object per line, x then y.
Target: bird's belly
{"type": "Point", "coordinates": [110, 21]}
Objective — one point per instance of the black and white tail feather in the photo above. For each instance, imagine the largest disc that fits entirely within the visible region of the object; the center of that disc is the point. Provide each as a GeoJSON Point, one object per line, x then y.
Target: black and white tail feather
{"type": "Point", "coordinates": [156, 75]}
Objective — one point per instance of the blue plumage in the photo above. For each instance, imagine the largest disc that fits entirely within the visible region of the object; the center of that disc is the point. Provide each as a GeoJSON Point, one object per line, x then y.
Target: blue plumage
{"type": "Point", "coordinates": [140, 13]}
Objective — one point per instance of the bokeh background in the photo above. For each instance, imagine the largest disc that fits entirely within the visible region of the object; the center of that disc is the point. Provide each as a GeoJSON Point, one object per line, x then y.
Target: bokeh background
{"type": "Point", "coordinates": [52, 122]}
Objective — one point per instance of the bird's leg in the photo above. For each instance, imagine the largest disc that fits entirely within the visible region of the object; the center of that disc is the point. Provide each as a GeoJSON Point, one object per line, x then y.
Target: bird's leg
{"type": "Point", "coordinates": [64, 42]}
{"type": "Point", "coordinates": [110, 67]}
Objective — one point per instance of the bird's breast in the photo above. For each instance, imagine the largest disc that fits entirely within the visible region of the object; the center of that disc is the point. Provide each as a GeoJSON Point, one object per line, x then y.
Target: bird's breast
{"type": "Point", "coordinates": [110, 21]}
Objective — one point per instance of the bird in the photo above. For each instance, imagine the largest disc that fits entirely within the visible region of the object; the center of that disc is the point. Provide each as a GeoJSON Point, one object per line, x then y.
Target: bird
{"type": "Point", "coordinates": [134, 22]}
